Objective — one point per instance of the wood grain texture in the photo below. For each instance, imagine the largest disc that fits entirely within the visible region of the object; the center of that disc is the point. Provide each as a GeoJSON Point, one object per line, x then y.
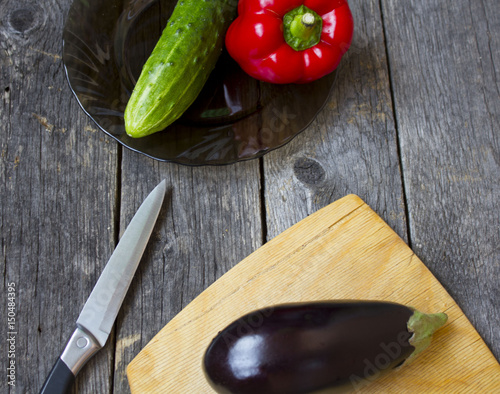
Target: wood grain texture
{"type": "Point", "coordinates": [445, 64]}
{"type": "Point", "coordinates": [343, 251]}
{"type": "Point", "coordinates": [210, 221]}
{"type": "Point", "coordinates": [351, 147]}
{"type": "Point", "coordinates": [57, 199]}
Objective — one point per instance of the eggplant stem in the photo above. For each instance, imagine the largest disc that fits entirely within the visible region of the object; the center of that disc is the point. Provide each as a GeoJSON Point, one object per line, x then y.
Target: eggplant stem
{"type": "Point", "coordinates": [423, 326]}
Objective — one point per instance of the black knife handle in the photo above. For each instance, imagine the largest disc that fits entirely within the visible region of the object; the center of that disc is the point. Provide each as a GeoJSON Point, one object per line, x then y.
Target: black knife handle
{"type": "Point", "coordinates": [60, 379]}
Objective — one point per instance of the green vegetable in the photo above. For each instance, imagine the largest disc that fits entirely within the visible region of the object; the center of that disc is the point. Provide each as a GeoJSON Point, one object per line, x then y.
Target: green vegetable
{"type": "Point", "coordinates": [179, 65]}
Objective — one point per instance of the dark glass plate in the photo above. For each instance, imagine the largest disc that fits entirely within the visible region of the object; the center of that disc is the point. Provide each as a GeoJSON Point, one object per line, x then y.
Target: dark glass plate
{"type": "Point", "coordinates": [234, 118]}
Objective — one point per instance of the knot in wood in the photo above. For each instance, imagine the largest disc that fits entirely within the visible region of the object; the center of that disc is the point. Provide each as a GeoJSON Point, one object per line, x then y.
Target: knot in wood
{"type": "Point", "coordinates": [309, 171]}
{"type": "Point", "coordinates": [23, 19]}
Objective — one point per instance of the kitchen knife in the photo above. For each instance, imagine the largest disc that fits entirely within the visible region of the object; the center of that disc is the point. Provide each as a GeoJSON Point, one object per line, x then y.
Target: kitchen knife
{"type": "Point", "coordinates": [99, 312]}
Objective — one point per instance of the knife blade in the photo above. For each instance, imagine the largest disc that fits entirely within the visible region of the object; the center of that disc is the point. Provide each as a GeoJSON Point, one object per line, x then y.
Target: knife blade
{"type": "Point", "coordinates": [98, 315]}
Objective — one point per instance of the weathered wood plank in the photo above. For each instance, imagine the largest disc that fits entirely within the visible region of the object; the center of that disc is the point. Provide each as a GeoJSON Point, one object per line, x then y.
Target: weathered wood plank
{"type": "Point", "coordinates": [350, 148]}
{"type": "Point", "coordinates": [210, 221]}
{"type": "Point", "coordinates": [445, 68]}
{"type": "Point", "coordinates": [57, 197]}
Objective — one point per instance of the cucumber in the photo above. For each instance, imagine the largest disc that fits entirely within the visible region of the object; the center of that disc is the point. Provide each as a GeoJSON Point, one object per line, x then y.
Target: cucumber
{"type": "Point", "coordinates": [179, 65]}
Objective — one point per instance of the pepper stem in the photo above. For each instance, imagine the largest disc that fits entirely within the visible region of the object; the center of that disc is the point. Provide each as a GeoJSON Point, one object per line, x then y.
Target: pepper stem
{"type": "Point", "coordinates": [308, 20]}
{"type": "Point", "coordinates": [302, 28]}
{"type": "Point", "coordinates": [423, 326]}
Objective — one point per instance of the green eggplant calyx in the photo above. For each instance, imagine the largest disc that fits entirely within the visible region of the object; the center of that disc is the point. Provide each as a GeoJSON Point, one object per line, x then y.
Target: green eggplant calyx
{"type": "Point", "coordinates": [423, 326]}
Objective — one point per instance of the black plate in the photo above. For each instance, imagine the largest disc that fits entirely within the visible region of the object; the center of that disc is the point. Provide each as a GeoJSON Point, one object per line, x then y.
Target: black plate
{"type": "Point", "coordinates": [234, 118]}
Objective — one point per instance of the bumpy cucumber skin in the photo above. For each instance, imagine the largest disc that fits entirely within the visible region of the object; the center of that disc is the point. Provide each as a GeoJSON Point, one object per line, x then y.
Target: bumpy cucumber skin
{"type": "Point", "coordinates": [179, 65]}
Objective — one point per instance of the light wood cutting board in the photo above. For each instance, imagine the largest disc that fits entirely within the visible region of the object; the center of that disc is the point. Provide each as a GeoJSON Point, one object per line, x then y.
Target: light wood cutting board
{"type": "Point", "coordinates": [343, 251]}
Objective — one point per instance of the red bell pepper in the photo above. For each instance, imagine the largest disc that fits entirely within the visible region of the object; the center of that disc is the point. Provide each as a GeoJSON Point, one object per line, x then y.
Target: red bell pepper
{"type": "Point", "coordinates": [290, 41]}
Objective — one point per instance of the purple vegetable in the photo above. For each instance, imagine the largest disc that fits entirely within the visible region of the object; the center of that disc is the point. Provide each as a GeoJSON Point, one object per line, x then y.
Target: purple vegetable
{"type": "Point", "coordinates": [308, 347]}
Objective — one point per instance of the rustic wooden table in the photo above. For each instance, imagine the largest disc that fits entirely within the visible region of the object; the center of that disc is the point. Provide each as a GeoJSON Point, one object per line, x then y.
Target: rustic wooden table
{"type": "Point", "coordinates": [412, 127]}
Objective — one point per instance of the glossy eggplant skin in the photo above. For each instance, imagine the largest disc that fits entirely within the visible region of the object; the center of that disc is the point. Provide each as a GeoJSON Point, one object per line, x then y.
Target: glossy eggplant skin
{"type": "Point", "coordinates": [309, 347]}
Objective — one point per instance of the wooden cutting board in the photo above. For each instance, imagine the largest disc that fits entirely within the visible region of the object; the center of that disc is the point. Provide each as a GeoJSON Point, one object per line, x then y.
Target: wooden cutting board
{"type": "Point", "coordinates": [343, 251]}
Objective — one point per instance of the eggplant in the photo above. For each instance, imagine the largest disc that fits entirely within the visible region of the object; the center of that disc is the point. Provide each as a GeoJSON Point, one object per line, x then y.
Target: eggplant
{"type": "Point", "coordinates": [323, 346]}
